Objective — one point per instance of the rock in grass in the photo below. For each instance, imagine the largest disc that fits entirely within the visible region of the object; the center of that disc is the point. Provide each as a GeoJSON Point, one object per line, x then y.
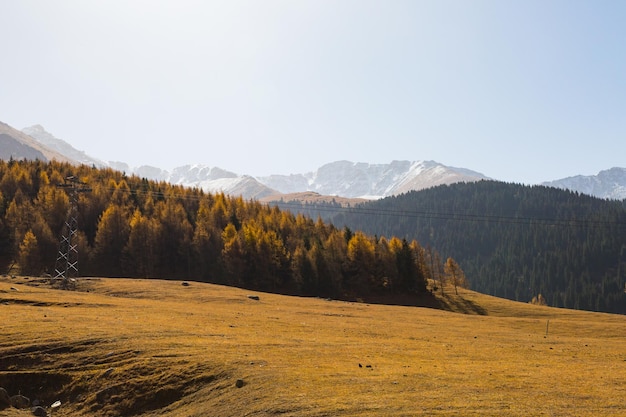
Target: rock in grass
{"type": "Point", "coordinates": [39, 411]}
{"type": "Point", "coordinates": [5, 400]}
{"type": "Point", "coordinates": [19, 401]}
{"type": "Point", "coordinates": [239, 383]}
{"type": "Point", "coordinates": [254, 297]}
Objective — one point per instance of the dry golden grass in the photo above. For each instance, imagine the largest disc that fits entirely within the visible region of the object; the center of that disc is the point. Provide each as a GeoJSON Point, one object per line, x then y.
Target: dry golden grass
{"type": "Point", "coordinates": [158, 348]}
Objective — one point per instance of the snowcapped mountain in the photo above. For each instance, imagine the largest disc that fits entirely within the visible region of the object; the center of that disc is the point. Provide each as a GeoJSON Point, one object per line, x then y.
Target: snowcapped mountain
{"type": "Point", "coordinates": [371, 181]}
{"type": "Point", "coordinates": [217, 180]}
{"type": "Point", "coordinates": [610, 183]}
{"type": "Point", "coordinates": [341, 178]}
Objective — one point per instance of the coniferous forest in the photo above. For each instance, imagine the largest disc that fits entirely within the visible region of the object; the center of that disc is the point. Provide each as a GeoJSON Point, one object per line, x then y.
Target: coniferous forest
{"type": "Point", "coordinates": [510, 240]}
{"type": "Point", "coordinates": [131, 227]}
{"type": "Point", "coordinates": [514, 241]}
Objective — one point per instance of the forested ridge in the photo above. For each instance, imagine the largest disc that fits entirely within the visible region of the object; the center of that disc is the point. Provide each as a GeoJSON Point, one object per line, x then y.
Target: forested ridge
{"type": "Point", "coordinates": [514, 241]}
{"type": "Point", "coordinates": [131, 227]}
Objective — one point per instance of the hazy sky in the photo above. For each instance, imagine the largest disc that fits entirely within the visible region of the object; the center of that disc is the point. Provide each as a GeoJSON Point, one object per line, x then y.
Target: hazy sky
{"type": "Point", "coordinates": [521, 91]}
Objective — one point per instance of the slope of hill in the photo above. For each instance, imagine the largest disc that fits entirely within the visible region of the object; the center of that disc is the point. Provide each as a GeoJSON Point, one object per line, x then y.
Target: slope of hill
{"type": "Point", "coordinates": [155, 348]}
{"type": "Point", "coordinates": [610, 183]}
{"type": "Point", "coordinates": [132, 227]}
{"type": "Point", "coordinates": [17, 145]}
{"type": "Point", "coordinates": [514, 241]}
{"type": "Point", "coordinates": [47, 139]}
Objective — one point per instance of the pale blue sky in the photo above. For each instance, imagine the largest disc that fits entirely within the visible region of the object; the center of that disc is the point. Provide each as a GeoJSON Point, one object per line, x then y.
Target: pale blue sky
{"type": "Point", "coordinates": [522, 91]}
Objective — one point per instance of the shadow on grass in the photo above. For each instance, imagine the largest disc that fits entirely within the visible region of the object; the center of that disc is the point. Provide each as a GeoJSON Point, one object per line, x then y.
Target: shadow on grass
{"type": "Point", "coordinates": [448, 302]}
{"type": "Point", "coordinates": [458, 304]}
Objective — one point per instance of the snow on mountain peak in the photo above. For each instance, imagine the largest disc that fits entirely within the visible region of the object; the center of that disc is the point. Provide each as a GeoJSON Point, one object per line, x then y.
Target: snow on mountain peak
{"type": "Point", "coordinates": [371, 181]}
{"type": "Point", "coordinates": [610, 183]}
{"type": "Point", "coordinates": [340, 178]}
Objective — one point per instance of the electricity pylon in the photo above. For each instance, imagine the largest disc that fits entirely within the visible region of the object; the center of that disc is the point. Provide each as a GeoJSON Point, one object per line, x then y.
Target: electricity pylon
{"type": "Point", "coordinates": [66, 265]}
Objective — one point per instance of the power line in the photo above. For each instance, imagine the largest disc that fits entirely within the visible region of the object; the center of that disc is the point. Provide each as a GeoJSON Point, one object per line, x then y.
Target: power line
{"type": "Point", "coordinates": [396, 213]}
{"type": "Point", "coordinates": [456, 216]}
{"type": "Point", "coordinates": [433, 215]}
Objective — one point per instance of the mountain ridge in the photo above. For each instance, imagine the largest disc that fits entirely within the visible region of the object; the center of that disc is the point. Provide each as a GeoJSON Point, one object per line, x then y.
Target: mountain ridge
{"type": "Point", "coordinates": [18, 145]}
{"type": "Point", "coordinates": [340, 178]}
{"type": "Point", "coordinates": [59, 145]}
{"type": "Point", "coordinates": [371, 181]}
{"type": "Point", "coordinates": [609, 183]}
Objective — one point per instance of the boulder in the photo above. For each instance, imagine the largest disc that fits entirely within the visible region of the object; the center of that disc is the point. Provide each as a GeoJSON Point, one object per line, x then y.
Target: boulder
{"type": "Point", "coordinates": [5, 400]}
{"type": "Point", "coordinates": [39, 411]}
{"type": "Point", "coordinates": [19, 401]}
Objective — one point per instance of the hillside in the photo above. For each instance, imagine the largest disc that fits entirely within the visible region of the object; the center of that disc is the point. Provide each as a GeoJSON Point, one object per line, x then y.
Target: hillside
{"type": "Point", "coordinates": [514, 241]}
{"type": "Point", "coordinates": [18, 145]}
{"type": "Point", "coordinates": [158, 348]}
{"type": "Point", "coordinates": [46, 139]}
{"type": "Point", "coordinates": [131, 227]}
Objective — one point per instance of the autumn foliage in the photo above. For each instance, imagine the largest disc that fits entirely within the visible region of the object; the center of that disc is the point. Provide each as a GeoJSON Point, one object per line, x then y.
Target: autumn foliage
{"type": "Point", "coordinates": [132, 227]}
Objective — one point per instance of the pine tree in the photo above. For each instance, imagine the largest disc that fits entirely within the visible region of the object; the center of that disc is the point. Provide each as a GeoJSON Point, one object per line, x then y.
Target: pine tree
{"type": "Point", "coordinates": [111, 238]}
{"type": "Point", "coordinates": [140, 253]}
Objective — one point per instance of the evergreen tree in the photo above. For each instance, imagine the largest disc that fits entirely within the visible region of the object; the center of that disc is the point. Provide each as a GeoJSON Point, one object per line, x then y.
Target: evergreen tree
{"type": "Point", "coordinates": [111, 238]}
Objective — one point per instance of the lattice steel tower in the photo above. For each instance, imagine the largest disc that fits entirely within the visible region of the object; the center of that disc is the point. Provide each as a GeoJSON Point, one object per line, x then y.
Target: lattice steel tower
{"type": "Point", "coordinates": [66, 265]}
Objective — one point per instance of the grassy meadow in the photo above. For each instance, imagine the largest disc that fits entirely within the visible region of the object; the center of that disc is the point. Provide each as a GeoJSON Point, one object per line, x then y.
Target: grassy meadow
{"type": "Point", "coordinates": [121, 347]}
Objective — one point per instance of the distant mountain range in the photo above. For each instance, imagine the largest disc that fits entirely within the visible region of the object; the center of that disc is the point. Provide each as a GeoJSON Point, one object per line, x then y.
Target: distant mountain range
{"type": "Point", "coordinates": [341, 178]}
{"type": "Point", "coordinates": [610, 184]}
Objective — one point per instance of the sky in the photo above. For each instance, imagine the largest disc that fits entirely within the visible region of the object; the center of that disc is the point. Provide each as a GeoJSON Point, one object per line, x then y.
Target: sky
{"type": "Point", "coordinates": [520, 90]}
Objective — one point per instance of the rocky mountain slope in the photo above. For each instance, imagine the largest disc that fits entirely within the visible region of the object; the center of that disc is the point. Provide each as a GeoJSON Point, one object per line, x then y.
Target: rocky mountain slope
{"type": "Point", "coordinates": [48, 140]}
{"type": "Point", "coordinates": [610, 183]}
{"type": "Point", "coordinates": [373, 181]}
{"type": "Point", "coordinates": [17, 145]}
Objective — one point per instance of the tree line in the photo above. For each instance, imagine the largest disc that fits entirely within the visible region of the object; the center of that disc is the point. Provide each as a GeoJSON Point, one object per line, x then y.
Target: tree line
{"type": "Point", "coordinates": [514, 241]}
{"type": "Point", "coordinates": [132, 227]}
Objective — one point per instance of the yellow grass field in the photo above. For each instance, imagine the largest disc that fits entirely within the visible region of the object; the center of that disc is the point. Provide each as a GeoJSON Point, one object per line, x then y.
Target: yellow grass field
{"type": "Point", "coordinates": [121, 347]}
